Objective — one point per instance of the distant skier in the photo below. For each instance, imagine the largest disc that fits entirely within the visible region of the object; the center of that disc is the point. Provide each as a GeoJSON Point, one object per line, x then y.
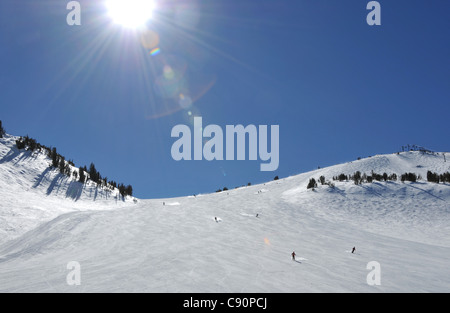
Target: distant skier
{"type": "Point", "coordinates": [257, 215]}
{"type": "Point", "coordinates": [164, 203]}
{"type": "Point", "coordinates": [215, 218]}
{"type": "Point", "coordinates": [293, 255]}
{"type": "Point", "coordinates": [353, 250]}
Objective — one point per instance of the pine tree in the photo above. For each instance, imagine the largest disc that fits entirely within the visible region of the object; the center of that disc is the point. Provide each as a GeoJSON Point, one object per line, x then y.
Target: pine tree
{"type": "Point", "coordinates": [62, 165]}
{"type": "Point", "coordinates": [357, 177]}
{"type": "Point", "coordinates": [67, 169]}
{"type": "Point", "coordinates": [322, 180]}
{"type": "Point", "coordinates": [93, 173]}
{"type": "Point", "coordinates": [312, 183]}
{"type": "Point", "coordinates": [445, 178]}
{"type": "Point", "coordinates": [409, 177]}
{"type": "Point", "coordinates": [122, 190]}
{"type": "Point", "coordinates": [20, 143]}
{"type": "Point", "coordinates": [55, 159]}
{"type": "Point", "coordinates": [82, 176]}
{"type": "Point", "coordinates": [412, 177]}
{"type": "Point", "coordinates": [433, 177]}
{"type": "Point", "coordinates": [31, 143]}
{"type": "Point", "coordinates": [392, 176]}
{"type": "Point", "coordinates": [2, 131]}
{"type": "Point", "coordinates": [129, 190]}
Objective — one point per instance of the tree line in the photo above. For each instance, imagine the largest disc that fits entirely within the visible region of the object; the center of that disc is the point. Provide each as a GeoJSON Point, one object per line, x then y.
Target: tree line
{"type": "Point", "coordinates": [67, 167]}
{"type": "Point", "coordinates": [359, 178]}
{"type": "Point", "coordinates": [436, 178]}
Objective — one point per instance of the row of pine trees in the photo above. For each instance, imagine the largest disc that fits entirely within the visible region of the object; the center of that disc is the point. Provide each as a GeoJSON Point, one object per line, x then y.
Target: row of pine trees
{"type": "Point", "coordinates": [67, 167]}
{"type": "Point", "coordinates": [359, 178]}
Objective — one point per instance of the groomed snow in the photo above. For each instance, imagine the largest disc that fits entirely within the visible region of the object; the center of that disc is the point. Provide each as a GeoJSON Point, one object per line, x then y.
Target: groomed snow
{"type": "Point", "coordinates": [179, 247]}
{"type": "Point", "coordinates": [31, 192]}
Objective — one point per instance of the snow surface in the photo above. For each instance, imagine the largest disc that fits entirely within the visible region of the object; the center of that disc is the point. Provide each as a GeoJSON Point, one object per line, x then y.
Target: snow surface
{"type": "Point", "coordinates": [123, 246]}
{"type": "Point", "coordinates": [31, 192]}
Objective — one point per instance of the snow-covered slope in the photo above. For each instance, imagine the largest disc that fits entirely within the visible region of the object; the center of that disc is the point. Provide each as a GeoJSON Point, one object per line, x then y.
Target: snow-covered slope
{"type": "Point", "coordinates": [411, 211]}
{"type": "Point", "coordinates": [32, 192]}
{"type": "Point", "coordinates": [179, 247]}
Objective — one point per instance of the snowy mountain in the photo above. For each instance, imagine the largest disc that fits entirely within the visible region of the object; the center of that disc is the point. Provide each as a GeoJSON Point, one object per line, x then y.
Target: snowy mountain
{"type": "Point", "coordinates": [238, 240]}
{"type": "Point", "coordinates": [32, 192]}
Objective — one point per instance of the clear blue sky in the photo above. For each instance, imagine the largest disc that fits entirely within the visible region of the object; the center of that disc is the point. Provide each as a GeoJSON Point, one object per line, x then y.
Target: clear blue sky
{"type": "Point", "coordinates": [338, 88]}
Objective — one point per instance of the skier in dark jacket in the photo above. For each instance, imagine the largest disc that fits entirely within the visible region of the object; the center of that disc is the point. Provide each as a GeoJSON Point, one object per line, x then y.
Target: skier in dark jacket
{"type": "Point", "coordinates": [293, 255]}
{"type": "Point", "coordinates": [353, 250]}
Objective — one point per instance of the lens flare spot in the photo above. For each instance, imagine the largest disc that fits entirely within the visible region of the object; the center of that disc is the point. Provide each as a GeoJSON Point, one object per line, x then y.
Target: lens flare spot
{"type": "Point", "coordinates": [168, 72]}
{"type": "Point", "coordinates": [184, 101]}
{"type": "Point", "coordinates": [155, 51]}
{"type": "Point", "coordinates": [267, 241]}
{"type": "Point", "coordinates": [149, 39]}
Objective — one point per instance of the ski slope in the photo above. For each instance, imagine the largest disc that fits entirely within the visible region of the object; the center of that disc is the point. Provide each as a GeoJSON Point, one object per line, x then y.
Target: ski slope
{"type": "Point", "coordinates": [31, 192]}
{"type": "Point", "coordinates": [179, 247]}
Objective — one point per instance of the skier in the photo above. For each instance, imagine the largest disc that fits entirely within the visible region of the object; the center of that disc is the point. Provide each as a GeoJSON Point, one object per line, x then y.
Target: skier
{"type": "Point", "coordinates": [353, 250]}
{"type": "Point", "coordinates": [257, 215]}
{"type": "Point", "coordinates": [215, 218]}
{"type": "Point", "coordinates": [293, 255]}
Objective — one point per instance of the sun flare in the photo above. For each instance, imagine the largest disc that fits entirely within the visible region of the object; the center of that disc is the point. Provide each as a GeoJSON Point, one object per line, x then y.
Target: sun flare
{"type": "Point", "coordinates": [130, 13]}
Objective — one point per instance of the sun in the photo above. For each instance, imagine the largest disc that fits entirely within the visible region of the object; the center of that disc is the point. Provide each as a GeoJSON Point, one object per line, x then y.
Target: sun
{"type": "Point", "coordinates": [130, 13]}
